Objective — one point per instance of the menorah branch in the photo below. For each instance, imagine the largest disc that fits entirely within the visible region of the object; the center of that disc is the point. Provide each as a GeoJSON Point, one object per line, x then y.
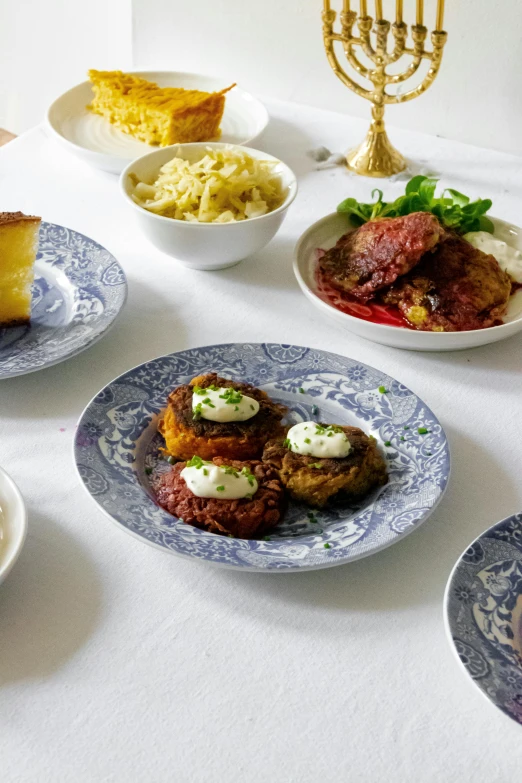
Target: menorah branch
{"type": "Point", "coordinates": [329, 38]}
{"type": "Point", "coordinates": [438, 40]}
{"type": "Point", "coordinates": [347, 22]}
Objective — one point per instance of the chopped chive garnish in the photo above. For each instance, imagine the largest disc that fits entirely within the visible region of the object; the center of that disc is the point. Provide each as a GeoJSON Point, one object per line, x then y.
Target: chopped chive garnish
{"type": "Point", "coordinates": [171, 460]}
{"type": "Point", "coordinates": [327, 546]}
{"type": "Point", "coordinates": [422, 430]}
{"type": "Point", "coordinates": [301, 390]}
{"type": "Point", "coordinates": [248, 475]}
{"type": "Point", "coordinates": [315, 410]}
{"type": "Point", "coordinates": [231, 396]}
{"type": "Point", "coordinates": [252, 407]}
{"type": "Point", "coordinates": [220, 488]}
{"type": "Point", "coordinates": [287, 443]}
{"type": "Point", "coordinates": [383, 390]}
{"type": "Point", "coordinates": [205, 472]}
{"type": "Point", "coordinates": [307, 440]}
{"type": "Point", "coordinates": [402, 437]}
{"type": "Point", "coordinates": [317, 465]}
{"type": "Point", "coordinates": [428, 453]}
{"type": "Point", "coordinates": [148, 471]}
{"type": "Point", "coordinates": [266, 538]}
{"type": "Point", "coordinates": [196, 462]}
{"type": "Point", "coordinates": [387, 442]}
{"type": "Point", "coordinates": [405, 427]}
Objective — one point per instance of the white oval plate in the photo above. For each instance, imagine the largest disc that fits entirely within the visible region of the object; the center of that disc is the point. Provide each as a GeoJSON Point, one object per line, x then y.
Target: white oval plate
{"type": "Point", "coordinates": [325, 233]}
{"type": "Point", "coordinates": [13, 523]}
{"type": "Point", "coordinates": [96, 141]}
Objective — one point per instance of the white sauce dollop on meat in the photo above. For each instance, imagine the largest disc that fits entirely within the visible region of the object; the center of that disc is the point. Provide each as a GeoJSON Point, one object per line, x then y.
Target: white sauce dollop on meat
{"type": "Point", "coordinates": [509, 259]}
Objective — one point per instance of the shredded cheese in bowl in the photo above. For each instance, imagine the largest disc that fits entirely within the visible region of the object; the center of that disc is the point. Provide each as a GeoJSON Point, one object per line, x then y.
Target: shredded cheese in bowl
{"type": "Point", "coordinates": [224, 186]}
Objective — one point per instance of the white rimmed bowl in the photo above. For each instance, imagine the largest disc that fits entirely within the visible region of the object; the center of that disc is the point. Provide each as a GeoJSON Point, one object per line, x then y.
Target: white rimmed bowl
{"type": "Point", "coordinates": [13, 523]}
{"type": "Point", "coordinates": [94, 140]}
{"type": "Point", "coordinates": [325, 233]}
{"type": "Point", "coordinates": [207, 246]}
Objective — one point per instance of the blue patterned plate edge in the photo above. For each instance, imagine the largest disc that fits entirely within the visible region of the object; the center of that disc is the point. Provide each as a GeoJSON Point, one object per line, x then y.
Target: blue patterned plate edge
{"type": "Point", "coordinates": [58, 245]}
{"type": "Point", "coordinates": [483, 614]}
{"type": "Point", "coordinates": [196, 541]}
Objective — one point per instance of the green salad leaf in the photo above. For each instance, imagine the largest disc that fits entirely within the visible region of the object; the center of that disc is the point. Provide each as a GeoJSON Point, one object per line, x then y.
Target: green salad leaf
{"type": "Point", "coordinates": [452, 208]}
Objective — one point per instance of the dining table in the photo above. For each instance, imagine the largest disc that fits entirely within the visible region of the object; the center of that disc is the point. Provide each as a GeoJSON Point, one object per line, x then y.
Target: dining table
{"type": "Point", "coordinates": [120, 662]}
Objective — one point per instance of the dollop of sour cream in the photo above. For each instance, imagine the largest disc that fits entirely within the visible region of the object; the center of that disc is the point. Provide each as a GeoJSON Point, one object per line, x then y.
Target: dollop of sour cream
{"type": "Point", "coordinates": [222, 403]}
{"type": "Point", "coordinates": [206, 480]}
{"type": "Point", "coordinates": [509, 259]}
{"type": "Point", "coordinates": [315, 440]}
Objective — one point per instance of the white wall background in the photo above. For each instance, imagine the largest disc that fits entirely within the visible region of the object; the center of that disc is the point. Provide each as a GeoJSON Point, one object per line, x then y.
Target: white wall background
{"type": "Point", "coordinates": [272, 47]}
{"type": "Point", "coordinates": [46, 46]}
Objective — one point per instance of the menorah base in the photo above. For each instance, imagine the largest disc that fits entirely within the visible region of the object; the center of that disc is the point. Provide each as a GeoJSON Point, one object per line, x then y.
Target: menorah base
{"type": "Point", "coordinates": [376, 157]}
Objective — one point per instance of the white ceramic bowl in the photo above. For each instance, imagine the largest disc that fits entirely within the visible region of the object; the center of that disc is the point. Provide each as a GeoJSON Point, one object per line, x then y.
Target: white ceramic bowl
{"type": "Point", "coordinates": [13, 523]}
{"type": "Point", "coordinates": [326, 232]}
{"type": "Point", "coordinates": [94, 140]}
{"type": "Point", "coordinates": [207, 246]}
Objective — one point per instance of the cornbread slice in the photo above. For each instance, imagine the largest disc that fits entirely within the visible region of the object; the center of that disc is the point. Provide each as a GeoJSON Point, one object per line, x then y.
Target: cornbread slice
{"type": "Point", "coordinates": [156, 115]}
{"type": "Point", "coordinates": [18, 246]}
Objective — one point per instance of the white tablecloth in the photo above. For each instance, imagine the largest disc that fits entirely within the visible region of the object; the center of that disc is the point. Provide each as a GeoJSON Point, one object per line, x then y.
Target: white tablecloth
{"type": "Point", "coordinates": [121, 663]}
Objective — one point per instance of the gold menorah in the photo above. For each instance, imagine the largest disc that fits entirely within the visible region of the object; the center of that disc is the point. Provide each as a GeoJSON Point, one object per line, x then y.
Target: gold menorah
{"type": "Point", "coordinates": [376, 157]}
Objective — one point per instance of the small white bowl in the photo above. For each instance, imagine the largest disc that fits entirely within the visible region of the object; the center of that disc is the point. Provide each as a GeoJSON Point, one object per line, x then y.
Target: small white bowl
{"type": "Point", "coordinates": [207, 246]}
{"type": "Point", "coordinates": [13, 523]}
{"type": "Point", "coordinates": [325, 233]}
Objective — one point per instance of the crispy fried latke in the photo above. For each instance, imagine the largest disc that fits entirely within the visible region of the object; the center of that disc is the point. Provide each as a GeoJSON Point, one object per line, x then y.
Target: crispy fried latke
{"type": "Point", "coordinates": [240, 517]}
{"type": "Point", "coordinates": [319, 481]}
{"type": "Point", "coordinates": [186, 436]}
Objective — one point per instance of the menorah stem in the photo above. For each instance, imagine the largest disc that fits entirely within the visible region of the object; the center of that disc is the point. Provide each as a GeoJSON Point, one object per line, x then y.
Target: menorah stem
{"type": "Point", "coordinates": [376, 157]}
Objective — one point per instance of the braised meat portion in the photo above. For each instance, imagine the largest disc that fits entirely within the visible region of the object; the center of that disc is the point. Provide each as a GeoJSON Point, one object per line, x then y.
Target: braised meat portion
{"type": "Point", "coordinates": [321, 481]}
{"type": "Point", "coordinates": [374, 255]}
{"type": "Point", "coordinates": [453, 289]}
{"type": "Point", "coordinates": [240, 518]}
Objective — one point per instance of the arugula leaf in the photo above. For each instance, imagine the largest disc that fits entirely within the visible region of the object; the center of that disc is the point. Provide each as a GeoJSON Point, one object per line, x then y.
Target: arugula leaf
{"type": "Point", "coordinates": [452, 208]}
{"type": "Point", "coordinates": [458, 198]}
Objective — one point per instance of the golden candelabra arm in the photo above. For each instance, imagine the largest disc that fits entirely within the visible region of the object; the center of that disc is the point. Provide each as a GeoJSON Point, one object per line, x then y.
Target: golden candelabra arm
{"type": "Point", "coordinates": [329, 37]}
{"type": "Point", "coordinates": [348, 19]}
{"type": "Point", "coordinates": [376, 157]}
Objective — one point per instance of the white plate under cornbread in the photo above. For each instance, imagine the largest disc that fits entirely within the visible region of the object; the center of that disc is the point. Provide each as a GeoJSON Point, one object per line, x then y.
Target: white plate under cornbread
{"type": "Point", "coordinates": [97, 142]}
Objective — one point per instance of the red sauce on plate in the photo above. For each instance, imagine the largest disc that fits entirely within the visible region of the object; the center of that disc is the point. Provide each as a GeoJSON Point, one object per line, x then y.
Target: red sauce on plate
{"type": "Point", "coordinates": [375, 312]}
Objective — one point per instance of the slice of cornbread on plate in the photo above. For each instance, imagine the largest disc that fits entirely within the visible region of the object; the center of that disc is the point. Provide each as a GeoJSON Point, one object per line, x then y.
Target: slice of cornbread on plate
{"type": "Point", "coordinates": [153, 114]}
{"type": "Point", "coordinates": [18, 246]}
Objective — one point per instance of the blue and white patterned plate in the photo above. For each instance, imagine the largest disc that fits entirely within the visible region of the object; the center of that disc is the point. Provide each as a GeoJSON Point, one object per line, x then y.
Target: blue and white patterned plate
{"type": "Point", "coordinates": [117, 445]}
{"type": "Point", "coordinates": [483, 611]}
{"type": "Point", "coordinates": [78, 291]}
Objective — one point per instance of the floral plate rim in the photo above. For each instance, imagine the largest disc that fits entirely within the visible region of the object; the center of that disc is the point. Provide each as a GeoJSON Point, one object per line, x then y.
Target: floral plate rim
{"type": "Point", "coordinates": [484, 664]}
{"type": "Point", "coordinates": [115, 302]}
